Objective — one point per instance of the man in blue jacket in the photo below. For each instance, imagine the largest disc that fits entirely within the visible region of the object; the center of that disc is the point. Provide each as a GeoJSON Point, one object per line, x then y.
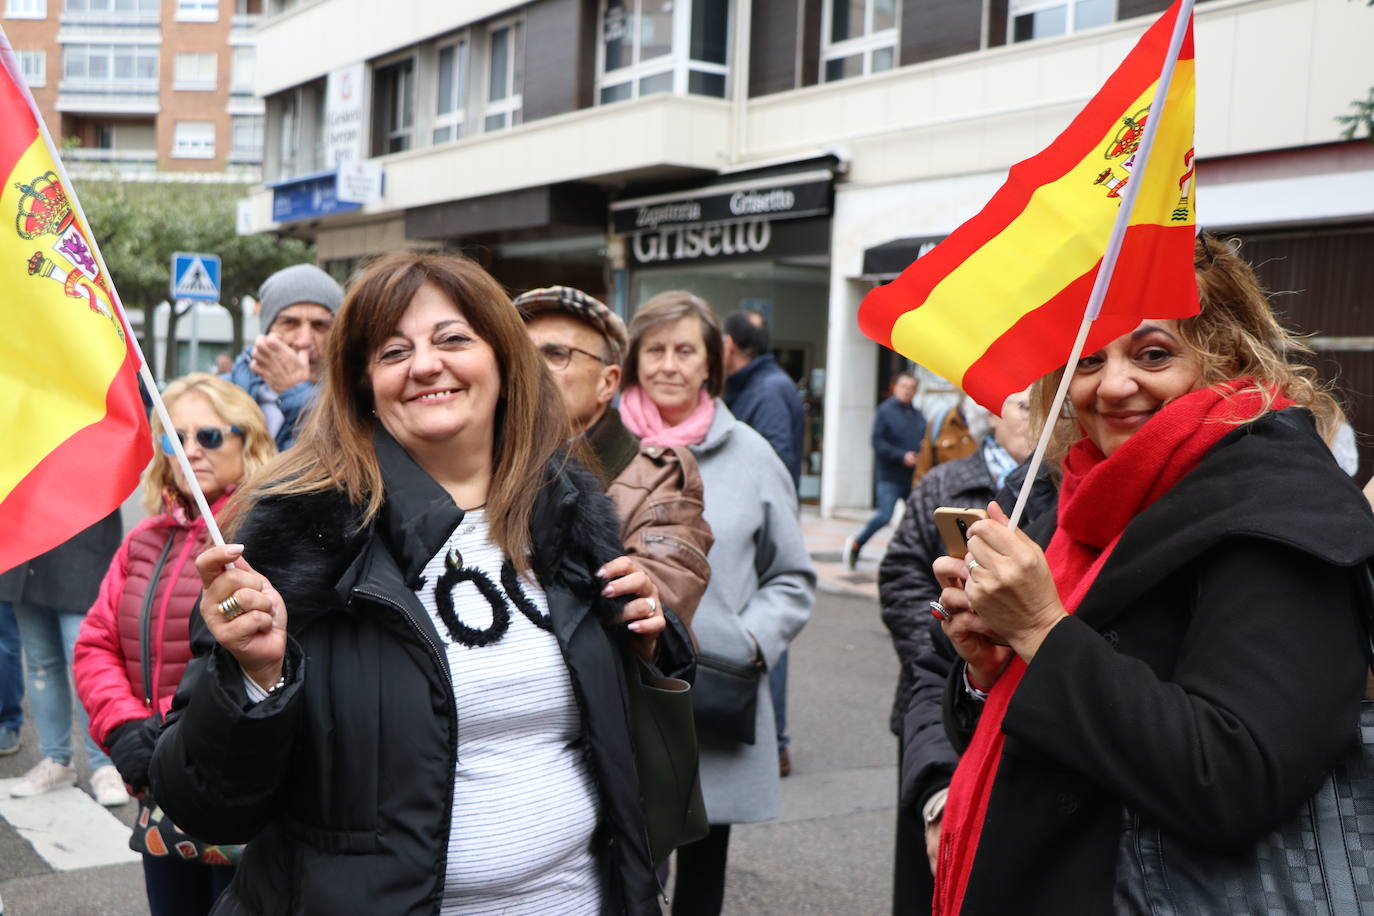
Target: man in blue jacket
{"type": "Point", "coordinates": [898, 429]}
{"type": "Point", "coordinates": [759, 393]}
{"type": "Point", "coordinates": [281, 370]}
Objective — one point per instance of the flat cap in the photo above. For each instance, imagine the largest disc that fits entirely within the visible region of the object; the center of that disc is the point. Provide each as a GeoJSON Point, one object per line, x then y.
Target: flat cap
{"type": "Point", "coordinates": [579, 305]}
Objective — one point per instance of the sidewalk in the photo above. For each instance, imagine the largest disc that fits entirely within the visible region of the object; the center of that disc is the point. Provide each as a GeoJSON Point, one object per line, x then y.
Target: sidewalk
{"type": "Point", "coordinates": [825, 542]}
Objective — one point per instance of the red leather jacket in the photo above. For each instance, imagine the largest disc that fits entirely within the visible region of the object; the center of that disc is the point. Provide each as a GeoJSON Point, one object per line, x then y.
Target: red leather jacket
{"type": "Point", "coordinates": [135, 641]}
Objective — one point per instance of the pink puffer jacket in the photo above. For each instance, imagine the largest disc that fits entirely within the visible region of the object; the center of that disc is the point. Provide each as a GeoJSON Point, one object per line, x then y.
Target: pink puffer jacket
{"type": "Point", "coordinates": [135, 641]}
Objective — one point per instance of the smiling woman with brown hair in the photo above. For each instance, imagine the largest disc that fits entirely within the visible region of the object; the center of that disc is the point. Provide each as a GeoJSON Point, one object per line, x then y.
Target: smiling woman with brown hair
{"type": "Point", "coordinates": [1186, 653]}
{"type": "Point", "coordinates": [412, 700]}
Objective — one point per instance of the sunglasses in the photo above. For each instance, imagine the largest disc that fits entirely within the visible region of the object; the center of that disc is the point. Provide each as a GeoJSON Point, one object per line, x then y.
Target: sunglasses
{"type": "Point", "coordinates": [209, 437]}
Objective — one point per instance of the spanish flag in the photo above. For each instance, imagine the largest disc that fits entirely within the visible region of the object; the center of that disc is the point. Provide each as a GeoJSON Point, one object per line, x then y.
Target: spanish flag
{"type": "Point", "coordinates": [71, 419]}
{"type": "Point", "coordinates": [998, 303]}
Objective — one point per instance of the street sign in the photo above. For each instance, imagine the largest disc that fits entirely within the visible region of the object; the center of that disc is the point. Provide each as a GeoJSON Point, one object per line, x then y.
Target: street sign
{"type": "Point", "coordinates": [195, 276]}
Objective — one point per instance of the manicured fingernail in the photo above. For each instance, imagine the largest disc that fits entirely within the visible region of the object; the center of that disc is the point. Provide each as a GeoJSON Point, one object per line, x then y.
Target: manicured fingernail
{"type": "Point", "coordinates": [233, 550]}
{"type": "Point", "coordinates": [601, 573]}
{"type": "Point", "coordinates": [607, 592]}
{"type": "Point", "coordinates": [635, 626]}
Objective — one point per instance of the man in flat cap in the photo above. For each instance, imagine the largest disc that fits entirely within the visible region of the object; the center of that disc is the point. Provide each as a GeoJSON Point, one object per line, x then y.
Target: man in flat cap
{"type": "Point", "coordinates": [657, 492]}
{"type": "Point", "coordinates": [281, 370]}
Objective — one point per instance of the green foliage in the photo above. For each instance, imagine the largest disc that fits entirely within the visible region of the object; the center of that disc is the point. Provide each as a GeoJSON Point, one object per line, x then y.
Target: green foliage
{"type": "Point", "coordinates": [1361, 120]}
{"type": "Point", "coordinates": [139, 225]}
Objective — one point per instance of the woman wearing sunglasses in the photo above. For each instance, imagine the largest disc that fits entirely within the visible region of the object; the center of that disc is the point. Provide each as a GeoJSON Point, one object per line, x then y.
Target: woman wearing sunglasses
{"type": "Point", "coordinates": [135, 642]}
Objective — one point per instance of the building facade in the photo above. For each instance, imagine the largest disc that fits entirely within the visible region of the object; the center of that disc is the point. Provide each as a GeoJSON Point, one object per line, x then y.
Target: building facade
{"type": "Point", "coordinates": [786, 155]}
{"type": "Point", "coordinates": [145, 88]}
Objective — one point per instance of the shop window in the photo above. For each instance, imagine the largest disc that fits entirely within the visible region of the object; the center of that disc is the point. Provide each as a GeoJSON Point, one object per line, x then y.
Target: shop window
{"type": "Point", "coordinates": [193, 140]}
{"type": "Point", "coordinates": [121, 68]}
{"type": "Point", "coordinates": [859, 39]}
{"type": "Point", "coordinates": [26, 9]}
{"type": "Point", "coordinates": [505, 76]}
{"type": "Point", "coordinates": [197, 71]}
{"type": "Point", "coordinates": [242, 68]}
{"type": "Point", "coordinates": [652, 46]}
{"type": "Point", "coordinates": [452, 91]}
{"type": "Point", "coordinates": [34, 66]}
{"type": "Point", "coordinates": [393, 101]}
{"type": "Point", "coordinates": [1031, 19]}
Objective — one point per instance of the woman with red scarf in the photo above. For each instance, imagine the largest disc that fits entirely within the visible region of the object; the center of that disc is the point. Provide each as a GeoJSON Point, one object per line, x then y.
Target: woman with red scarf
{"type": "Point", "coordinates": [1188, 646]}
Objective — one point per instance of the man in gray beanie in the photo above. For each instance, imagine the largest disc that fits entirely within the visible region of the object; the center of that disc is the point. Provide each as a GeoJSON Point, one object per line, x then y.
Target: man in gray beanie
{"type": "Point", "coordinates": [281, 370]}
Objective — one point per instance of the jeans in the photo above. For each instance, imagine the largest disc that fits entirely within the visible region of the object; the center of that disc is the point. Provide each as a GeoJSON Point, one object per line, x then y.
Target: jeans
{"type": "Point", "coordinates": [777, 684]}
{"type": "Point", "coordinates": [890, 492]}
{"type": "Point", "coordinates": [49, 636]}
{"type": "Point", "coordinates": [11, 670]}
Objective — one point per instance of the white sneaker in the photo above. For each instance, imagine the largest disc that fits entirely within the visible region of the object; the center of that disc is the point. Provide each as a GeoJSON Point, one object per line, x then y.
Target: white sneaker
{"type": "Point", "coordinates": [46, 775]}
{"type": "Point", "coordinates": [108, 787]}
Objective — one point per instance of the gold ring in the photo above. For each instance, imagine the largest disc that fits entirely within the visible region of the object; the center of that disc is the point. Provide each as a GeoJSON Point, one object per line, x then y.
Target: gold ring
{"type": "Point", "coordinates": [230, 608]}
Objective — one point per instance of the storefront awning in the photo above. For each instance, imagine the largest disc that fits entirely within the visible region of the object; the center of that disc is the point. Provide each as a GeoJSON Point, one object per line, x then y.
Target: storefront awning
{"type": "Point", "coordinates": [882, 263]}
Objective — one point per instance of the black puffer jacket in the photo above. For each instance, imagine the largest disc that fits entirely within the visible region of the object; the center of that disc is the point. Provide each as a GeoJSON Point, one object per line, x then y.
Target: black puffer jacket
{"type": "Point", "coordinates": [343, 780]}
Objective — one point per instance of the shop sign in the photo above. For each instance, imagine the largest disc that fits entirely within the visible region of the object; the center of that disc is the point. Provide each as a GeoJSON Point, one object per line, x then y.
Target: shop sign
{"type": "Point", "coordinates": [781, 197]}
{"type": "Point", "coordinates": [343, 115]}
{"type": "Point", "coordinates": [308, 197]}
{"type": "Point", "coordinates": [728, 240]}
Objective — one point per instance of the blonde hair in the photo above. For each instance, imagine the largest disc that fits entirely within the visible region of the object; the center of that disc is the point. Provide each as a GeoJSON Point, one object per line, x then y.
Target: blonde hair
{"type": "Point", "coordinates": [1234, 335]}
{"type": "Point", "coordinates": [335, 449]}
{"type": "Point", "coordinates": [235, 407]}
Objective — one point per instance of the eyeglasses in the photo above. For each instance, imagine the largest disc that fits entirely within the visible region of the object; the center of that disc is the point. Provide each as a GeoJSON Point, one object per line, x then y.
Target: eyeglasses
{"type": "Point", "coordinates": [559, 355]}
{"type": "Point", "coordinates": [209, 437]}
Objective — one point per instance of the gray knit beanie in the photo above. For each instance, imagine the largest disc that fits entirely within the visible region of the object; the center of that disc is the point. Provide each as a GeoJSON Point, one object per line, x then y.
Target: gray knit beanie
{"type": "Point", "coordinates": [295, 284]}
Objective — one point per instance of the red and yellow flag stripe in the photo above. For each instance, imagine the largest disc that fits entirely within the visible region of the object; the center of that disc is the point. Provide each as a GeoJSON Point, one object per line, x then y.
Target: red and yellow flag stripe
{"type": "Point", "coordinates": [76, 437]}
{"type": "Point", "coordinates": [997, 304]}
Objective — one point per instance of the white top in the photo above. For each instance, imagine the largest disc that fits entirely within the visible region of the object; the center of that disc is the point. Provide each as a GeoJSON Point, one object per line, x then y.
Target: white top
{"type": "Point", "coordinates": [524, 802]}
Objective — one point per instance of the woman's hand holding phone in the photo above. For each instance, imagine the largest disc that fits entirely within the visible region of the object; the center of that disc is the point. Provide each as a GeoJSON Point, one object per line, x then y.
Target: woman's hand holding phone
{"type": "Point", "coordinates": [982, 649]}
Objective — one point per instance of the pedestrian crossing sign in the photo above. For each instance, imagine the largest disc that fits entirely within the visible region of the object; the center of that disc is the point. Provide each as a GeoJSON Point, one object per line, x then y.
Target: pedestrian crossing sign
{"type": "Point", "coordinates": [195, 276]}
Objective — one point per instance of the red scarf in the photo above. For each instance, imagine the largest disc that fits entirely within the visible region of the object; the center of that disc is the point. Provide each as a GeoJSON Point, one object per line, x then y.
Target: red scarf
{"type": "Point", "coordinates": [1097, 500]}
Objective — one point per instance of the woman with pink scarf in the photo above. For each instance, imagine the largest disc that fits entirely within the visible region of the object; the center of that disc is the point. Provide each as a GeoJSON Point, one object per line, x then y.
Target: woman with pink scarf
{"type": "Point", "coordinates": [762, 584]}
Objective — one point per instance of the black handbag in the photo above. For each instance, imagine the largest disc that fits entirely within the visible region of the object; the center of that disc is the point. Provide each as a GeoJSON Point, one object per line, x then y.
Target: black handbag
{"type": "Point", "coordinates": [665, 746]}
{"type": "Point", "coordinates": [1320, 863]}
{"type": "Point", "coordinates": [725, 697]}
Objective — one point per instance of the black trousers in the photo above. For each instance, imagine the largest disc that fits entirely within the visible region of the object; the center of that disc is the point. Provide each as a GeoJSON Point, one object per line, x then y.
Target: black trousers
{"type": "Point", "coordinates": [699, 889]}
{"type": "Point", "coordinates": [180, 888]}
{"type": "Point", "coordinates": [913, 886]}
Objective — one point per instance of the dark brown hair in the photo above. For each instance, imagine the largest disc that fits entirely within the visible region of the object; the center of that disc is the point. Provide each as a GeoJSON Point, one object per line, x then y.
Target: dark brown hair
{"type": "Point", "coordinates": [335, 450]}
{"type": "Point", "coordinates": [669, 308]}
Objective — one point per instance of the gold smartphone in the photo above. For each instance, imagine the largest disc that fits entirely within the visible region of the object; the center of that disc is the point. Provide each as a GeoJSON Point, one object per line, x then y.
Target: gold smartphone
{"type": "Point", "coordinates": [953, 524]}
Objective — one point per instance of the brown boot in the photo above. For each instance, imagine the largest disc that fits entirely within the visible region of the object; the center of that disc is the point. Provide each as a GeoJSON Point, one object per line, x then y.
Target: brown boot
{"type": "Point", "coordinates": [784, 763]}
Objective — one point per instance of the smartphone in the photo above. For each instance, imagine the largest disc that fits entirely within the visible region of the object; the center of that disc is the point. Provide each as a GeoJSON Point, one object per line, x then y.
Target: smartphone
{"type": "Point", "coordinates": [953, 524]}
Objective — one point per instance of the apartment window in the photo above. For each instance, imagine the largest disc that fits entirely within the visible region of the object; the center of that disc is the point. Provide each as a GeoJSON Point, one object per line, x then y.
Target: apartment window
{"type": "Point", "coordinates": [241, 69]}
{"type": "Point", "coordinates": [860, 38]}
{"type": "Point", "coordinates": [505, 76]}
{"type": "Point", "coordinates": [394, 107]}
{"type": "Point", "coordinates": [121, 68]}
{"type": "Point", "coordinates": [245, 136]}
{"type": "Point", "coordinates": [34, 66]}
{"type": "Point", "coordinates": [650, 46]}
{"type": "Point", "coordinates": [193, 140]}
{"type": "Point", "coordinates": [451, 96]}
{"type": "Point", "coordinates": [149, 9]}
{"type": "Point", "coordinates": [26, 9]}
{"type": "Point", "coordinates": [199, 71]}
{"type": "Point", "coordinates": [1031, 19]}
{"type": "Point", "coordinates": [196, 10]}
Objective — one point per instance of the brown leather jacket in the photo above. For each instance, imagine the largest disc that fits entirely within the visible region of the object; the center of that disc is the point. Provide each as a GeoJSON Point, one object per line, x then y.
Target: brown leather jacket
{"type": "Point", "coordinates": [657, 493]}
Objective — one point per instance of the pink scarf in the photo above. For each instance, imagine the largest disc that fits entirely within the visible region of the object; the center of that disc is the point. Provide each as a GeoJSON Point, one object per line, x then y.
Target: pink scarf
{"type": "Point", "coordinates": [642, 418]}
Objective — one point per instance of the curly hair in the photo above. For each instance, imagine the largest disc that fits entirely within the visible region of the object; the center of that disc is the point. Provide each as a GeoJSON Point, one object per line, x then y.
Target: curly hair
{"type": "Point", "coordinates": [1234, 335]}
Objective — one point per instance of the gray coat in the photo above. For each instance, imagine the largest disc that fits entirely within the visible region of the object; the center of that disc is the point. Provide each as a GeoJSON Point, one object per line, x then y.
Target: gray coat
{"type": "Point", "coordinates": [66, 578]}
{"type": "Point", "coordinates": [761, 592]}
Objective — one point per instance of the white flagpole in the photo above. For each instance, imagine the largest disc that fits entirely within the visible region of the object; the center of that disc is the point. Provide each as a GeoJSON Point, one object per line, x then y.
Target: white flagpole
{"type": "Point", "coordinates": [10, 62]}
{"type": "Point", "coordinates": [1104, 273]}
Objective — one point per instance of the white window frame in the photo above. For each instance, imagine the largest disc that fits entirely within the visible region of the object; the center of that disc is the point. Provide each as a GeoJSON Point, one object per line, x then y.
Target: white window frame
{"type": "Point", "coordinates": [236, 124]}
{"type": "Point", "coordinates": [34, 67]}
{"type": "Point", "coordinates": [392, 130]}
{"type": "Point", "coordinates": [26, 9]}
{"type": "Point", "coordinates": [197, 11]}
{"type": "Point", "coordinates": [110, 53]}
{"type": "Point", "coordinates": [866, 44]}
{"type": "Point", "coordinates": [508, 108]}
{"type": "Point", "coordinates": [239, 82]}
{"type": "Point", "coordinates": [1023, 7]}
{"type": "Point", "coordinates": [199, 80]}
{"type": "Point", "coordinates": [677, 61]}
{"type": "Point", "coordinates": [453, 119]}
{"type": "Point", "coordinates": [193, 144]}
{"type": "Point", "coordinates": [107, 9]}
